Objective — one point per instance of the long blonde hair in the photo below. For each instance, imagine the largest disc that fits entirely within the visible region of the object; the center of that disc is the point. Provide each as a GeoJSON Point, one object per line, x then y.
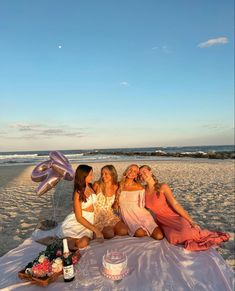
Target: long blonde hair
{"type": "Point", "coordinates": [122, 181]}
{"type": "Point", "coordinates": [123, 178]}
{"type": "Point", "coordinates": [113, 173]}
{"type": "Point", "coordinates": [157, 185]}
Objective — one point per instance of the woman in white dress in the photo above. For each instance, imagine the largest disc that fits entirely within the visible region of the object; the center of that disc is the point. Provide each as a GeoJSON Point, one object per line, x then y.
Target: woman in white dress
{"type": "Point", "coordinates": [106, 189]}
{"type": "Point", "coordinates": [78, 226]}
{"type": "Point", "coordinates": [132, 205]}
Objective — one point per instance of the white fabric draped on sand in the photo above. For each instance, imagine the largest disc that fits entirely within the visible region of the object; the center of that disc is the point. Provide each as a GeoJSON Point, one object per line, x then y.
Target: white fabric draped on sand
{"type": "Point", "coordinates": [154, 265]}
{"type": "Point", "coordinates": [70, 227]}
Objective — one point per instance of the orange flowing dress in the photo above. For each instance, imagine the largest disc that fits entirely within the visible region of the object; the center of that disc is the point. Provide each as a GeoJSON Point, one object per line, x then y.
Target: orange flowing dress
{"type": "Point", "coordinates": [178, 230]}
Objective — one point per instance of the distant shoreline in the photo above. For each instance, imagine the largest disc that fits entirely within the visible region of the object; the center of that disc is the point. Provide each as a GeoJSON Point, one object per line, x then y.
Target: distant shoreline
{"type": "Point", "coordinates": [123, 154]}
{"type": "Point", "coordinates": [209, 155]}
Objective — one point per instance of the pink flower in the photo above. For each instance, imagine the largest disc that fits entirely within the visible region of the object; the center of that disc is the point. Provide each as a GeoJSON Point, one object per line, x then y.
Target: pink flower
{"type": "Point", "coordinates": [74, 260]}
{"type": "Point", "coordinates": [59, 253]}
{"type": "Point", "coordinates": [42, 269]}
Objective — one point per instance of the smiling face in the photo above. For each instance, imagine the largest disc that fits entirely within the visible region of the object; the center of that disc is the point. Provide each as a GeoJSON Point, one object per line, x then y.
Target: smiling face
{"type": "Point", "coordinates": [106, 176]}
{"type": "Point", "coordinates": [145, 174]}
{"type": "Point", "coordinates": [132, 172]}
{"type": "Point", "coordinates": [89, 177]}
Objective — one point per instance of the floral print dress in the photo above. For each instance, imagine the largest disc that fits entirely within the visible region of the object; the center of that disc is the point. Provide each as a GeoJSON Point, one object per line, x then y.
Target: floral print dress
{"type": "Point", "coordinates": [104, 215]}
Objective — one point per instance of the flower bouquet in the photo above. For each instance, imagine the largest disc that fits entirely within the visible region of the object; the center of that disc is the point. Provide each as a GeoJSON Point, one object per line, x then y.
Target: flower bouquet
{"type": "Point", "coordinates": [48, 265]}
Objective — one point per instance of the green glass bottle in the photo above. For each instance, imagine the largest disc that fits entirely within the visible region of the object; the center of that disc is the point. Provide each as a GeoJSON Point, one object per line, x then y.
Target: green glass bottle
{"type": "Point", "coordinates": [68, 269]}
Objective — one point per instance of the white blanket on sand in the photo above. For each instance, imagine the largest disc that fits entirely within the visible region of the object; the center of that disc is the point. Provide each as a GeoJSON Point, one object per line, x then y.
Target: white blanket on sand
{"type": "Point", "coordinates": [154, 265]}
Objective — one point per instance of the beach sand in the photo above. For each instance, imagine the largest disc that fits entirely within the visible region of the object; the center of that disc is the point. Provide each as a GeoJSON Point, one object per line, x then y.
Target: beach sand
{"type": "Point", "coordinates": [205, 188]}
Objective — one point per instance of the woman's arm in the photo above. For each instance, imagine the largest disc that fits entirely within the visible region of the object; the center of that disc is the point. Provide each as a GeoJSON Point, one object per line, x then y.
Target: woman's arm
{"type": "Point", "coordinates": [142, 199]}
{"type": "Point", "coordinates": [175, 205]}
{"type": "Point", "coordinates": [81, 219]}
{"type": "Point", "coordinates": [96, 187]}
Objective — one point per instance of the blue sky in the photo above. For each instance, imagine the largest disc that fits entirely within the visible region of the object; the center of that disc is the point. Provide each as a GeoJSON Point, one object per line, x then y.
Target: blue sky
{"type": "Point", "coordinates": [102, 74]}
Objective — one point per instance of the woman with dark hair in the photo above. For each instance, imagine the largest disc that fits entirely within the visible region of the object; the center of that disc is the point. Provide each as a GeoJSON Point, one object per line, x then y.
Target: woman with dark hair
{"type": "Point", "coordinates": [176, 223]}
{"type": "Point", "coordinates": [106, 190]}
{"type": "Point", "coordinates": [79, 225]}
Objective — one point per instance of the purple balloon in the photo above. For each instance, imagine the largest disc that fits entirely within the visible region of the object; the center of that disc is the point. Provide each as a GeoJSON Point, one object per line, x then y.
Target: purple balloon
{"type": "Point", "coordinates": [58, 157]}
{"type": "Point", "coordinates": [65, 170]}
{"type": "Point", "coordinates": [50, 182]}
{"type": "Point", "coordinates": [50, 172]}
{"type": "Point", "coordinates": [41, 171]}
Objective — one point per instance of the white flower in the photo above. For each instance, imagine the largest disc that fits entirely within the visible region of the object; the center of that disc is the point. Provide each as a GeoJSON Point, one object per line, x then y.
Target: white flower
{"type": "Point", "coordinates": [41, 259]}
{"type": "Point", "coordinates": [28, 271]}
{"type": "Point", "coordinates": [58, 261]}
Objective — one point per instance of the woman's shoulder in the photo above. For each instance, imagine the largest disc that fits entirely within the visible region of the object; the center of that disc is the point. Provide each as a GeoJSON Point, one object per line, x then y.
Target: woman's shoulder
{"type": "Point", "coordinates": [164, 187]}
{"type": "Point", "coordinates": [96, 187]}
{"type": "Point", "coordinates": [139, 187]}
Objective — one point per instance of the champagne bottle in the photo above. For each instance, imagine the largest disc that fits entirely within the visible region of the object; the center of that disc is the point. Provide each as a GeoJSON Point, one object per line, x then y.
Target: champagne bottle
{"type": "Point", "coordinates": [68, 269]}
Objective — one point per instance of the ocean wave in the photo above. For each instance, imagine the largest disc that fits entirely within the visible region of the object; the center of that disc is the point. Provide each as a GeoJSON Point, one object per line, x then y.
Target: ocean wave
{"type": "Point", "coordinates": [109, 155]}
{"type": "Point", "coordinates": [193, 153]}
{"type": "Point", "coordinates": [18, 156]}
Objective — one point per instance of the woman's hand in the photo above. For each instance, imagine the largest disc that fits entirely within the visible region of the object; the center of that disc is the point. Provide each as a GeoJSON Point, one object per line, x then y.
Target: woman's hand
{"type": "Point", "coordinates": [115, 206]}
{"type": "Point", "coordinates": [194, 224]}
{"type": "Point", "coordinates": [99, 235]}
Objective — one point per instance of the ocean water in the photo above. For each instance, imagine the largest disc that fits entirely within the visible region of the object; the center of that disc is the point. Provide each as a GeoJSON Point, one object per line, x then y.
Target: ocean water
{"type": "Point", "coordinates": [109, 155]}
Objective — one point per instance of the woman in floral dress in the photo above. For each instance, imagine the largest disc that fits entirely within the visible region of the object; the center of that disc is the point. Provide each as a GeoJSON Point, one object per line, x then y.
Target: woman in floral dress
{"type": "Point", "coordinates": [106, 189]}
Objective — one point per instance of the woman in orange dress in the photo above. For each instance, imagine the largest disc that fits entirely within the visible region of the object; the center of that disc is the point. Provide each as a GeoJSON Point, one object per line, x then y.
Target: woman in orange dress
{"type": "Point", "coordinates": [176, 223]}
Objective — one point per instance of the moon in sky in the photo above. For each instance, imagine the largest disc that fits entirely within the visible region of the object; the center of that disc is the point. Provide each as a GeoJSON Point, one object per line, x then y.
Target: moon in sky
{"type": "Point", "coordinates": [60, 46]}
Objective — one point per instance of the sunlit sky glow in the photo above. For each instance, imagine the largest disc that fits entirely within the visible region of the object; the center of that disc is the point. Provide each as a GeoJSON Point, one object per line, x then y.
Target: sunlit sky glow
{"type": "Point", "coordinates": [109, 74]}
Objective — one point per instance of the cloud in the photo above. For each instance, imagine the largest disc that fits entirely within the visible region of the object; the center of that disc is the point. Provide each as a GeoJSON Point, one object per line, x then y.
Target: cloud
{"type": "Point", "coordinates": [26, 127]}
{"type": "Point", "coordinates": [124, 83]}
{"type": "Point", "coordinates": [213, 41]}
{"type": "Point", "coordinates": [216, 126]}
{"type": "Point", "coordinates": [163, 48]}
{"type": "Point", "coordinates": [30, 131]}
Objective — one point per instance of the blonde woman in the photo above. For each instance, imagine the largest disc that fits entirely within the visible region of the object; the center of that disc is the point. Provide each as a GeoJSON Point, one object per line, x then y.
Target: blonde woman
{"type": "Point", "coordinates": [132, 206]}
{"type": "Point", "coordinates": [105, 218]}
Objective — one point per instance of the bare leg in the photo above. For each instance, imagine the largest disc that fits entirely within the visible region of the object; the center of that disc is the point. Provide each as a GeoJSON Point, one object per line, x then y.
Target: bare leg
{"type": "Point", "coordinates": [108, 232]}
{"type": "Point", "coordinates": [157, 234]}
{"type": "Point", "coordinates": [82, 242]}
{"type": "Point", "coordinates": [140, 232]}
{"type": "Point", "coordinates": [120, 228]}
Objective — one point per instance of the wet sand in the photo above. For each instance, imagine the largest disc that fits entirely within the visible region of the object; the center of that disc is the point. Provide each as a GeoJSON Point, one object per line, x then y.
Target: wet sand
{"type": "Point", "coordinates": [205, 188]}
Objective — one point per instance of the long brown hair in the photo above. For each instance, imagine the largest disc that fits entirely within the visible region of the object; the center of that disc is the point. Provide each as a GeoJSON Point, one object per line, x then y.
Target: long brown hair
{"type": "Point", "coordinates": [81, 173]}
{"type": "Point", "coordinates": [157, 185]}
{"type": "Point", "coordinates": [113, 173]}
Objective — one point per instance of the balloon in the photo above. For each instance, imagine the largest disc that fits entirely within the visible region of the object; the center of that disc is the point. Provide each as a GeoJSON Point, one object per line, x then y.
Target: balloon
{"type": "Point", "coordinates": [66, 171]}
{"type": "Point", "coordinates": [61, 165]}
{"type": "Point", "coordinates": [50, 182]}
{"type": "Point", "coordinates": [41, 171]}
{"type": "Point", "coordinates": [58, 157]}
{"type": "Point", "coordinates": [50, 172]}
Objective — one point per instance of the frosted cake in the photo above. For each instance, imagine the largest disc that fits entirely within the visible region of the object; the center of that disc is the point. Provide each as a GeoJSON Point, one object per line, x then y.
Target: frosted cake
{"type": "Point", "coordinates": [114, 265]}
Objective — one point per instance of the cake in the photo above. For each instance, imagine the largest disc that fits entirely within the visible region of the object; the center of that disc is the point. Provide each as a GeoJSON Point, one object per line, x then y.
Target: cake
{"type": "Point", "coordinates": [114, 265]}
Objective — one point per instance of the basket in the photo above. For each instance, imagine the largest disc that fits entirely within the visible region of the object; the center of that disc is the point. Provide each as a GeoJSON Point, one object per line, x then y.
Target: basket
{"type": "Point", "coordinates": [39, 281]}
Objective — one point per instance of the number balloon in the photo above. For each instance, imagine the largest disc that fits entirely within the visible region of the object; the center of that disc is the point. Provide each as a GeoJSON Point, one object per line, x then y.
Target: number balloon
{"type": "Point", "coordinates": [50, 172]}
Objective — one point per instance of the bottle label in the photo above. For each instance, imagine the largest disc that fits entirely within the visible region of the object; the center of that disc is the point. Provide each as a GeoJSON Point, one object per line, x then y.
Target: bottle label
{"type": "Point", "coordinates": [68, 272]}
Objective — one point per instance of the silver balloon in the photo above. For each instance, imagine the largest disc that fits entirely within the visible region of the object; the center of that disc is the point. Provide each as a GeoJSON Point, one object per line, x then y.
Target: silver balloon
{"type": "Point", "coordinates": [50, 172]}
